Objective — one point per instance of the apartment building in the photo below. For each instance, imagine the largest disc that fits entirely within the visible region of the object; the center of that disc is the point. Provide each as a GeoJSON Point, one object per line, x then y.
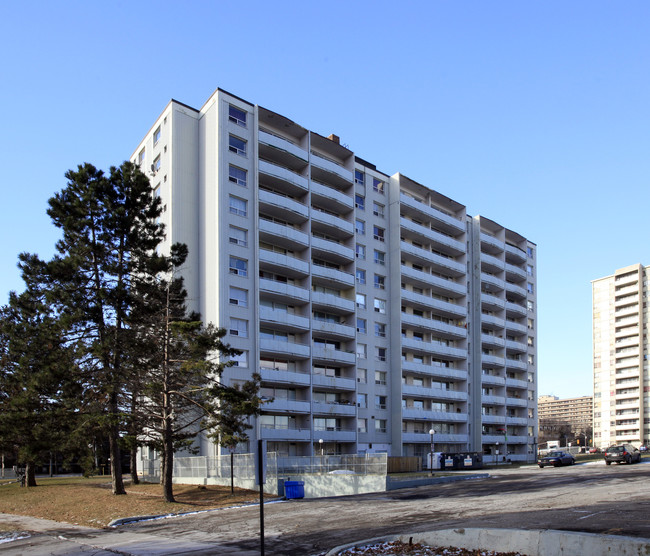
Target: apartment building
{"type": "Point", "coordinates": [620, 358]}
{"type": "Point", "coordinates": [375, 308]}
{"type": "Point", "coordinates": [571, 417]}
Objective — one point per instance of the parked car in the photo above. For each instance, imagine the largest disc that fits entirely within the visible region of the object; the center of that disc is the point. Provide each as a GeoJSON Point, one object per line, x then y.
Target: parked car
{"type": "Point", "coordinates": [622, 453]}
{"type": "Point", "coordinates": [556, 458]}
{"type": "Point", "coordinates": [643, 448]}
{"type": "Point", "coordinates": [594, 450]}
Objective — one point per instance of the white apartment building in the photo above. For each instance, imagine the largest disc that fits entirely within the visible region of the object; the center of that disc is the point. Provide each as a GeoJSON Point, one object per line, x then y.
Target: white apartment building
{"type": "Point", "coordinates": [620, 359]}
{"type": "Point", "coordinates": [375, 308]}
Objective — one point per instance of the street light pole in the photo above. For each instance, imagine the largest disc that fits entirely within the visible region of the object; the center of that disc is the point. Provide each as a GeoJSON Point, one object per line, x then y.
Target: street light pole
{"type": "Point", "coordinates": [320, 443]}
{"type": "Point", "coordinates": [431, 432]}
{"type": "Point", "coordinates": [497, 454]}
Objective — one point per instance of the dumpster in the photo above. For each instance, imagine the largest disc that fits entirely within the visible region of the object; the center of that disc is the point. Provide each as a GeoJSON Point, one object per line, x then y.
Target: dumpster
{"type": "Point", "coordinates": [294, 489]}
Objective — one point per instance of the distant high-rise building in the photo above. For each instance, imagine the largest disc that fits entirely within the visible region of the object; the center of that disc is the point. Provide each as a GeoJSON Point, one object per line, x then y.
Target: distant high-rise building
{"type": "Point", "coordinates": [375, 308]}
{"type": "Point", "coordinates": [620, 358]}
{"type": "Point", "coordinates": [570, 417]}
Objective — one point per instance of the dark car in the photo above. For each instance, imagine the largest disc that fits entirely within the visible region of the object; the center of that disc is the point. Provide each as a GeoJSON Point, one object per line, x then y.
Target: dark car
{"type": "Point", "coordinates": [622, 453]}
{"type": "Point", "coordinates": [556, 458]}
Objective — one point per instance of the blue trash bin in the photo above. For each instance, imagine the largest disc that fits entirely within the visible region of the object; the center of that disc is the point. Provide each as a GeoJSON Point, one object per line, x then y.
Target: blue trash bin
{"type": "Point", "coordinates": [294, 489]}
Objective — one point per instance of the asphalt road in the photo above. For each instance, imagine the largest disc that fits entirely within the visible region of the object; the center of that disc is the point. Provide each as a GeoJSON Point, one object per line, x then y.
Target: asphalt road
{"type": "Point", "coordinates": [585, 497]}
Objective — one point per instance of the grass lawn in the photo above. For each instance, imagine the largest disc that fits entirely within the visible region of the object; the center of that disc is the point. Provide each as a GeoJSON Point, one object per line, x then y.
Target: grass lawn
{"type": "Point", "coordinates": [89, 502]}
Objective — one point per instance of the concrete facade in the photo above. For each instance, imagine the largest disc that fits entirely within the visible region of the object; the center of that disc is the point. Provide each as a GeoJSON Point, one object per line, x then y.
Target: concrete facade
{"type": "Point", "coordinates": [375, 308]}
{"type": "Point", "coordinates": [620, 358]}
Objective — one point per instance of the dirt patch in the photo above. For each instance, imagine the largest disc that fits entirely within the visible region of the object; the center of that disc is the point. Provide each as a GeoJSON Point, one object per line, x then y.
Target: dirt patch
{"type": "Point", "coordinates": [89, 501]}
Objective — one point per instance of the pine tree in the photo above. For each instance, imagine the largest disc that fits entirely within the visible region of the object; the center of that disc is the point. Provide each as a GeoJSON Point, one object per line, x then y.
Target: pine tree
{"type": "Point", "coordinates": [110, 233]}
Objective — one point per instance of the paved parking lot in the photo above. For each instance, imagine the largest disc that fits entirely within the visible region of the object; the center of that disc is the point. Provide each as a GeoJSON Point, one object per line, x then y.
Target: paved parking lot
{"type": "Point", "coordinates": [585, 497]}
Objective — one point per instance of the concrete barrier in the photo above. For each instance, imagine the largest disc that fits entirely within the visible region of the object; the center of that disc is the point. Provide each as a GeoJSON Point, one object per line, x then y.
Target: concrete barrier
{"type": "Point", "coordinates": [547, 542]}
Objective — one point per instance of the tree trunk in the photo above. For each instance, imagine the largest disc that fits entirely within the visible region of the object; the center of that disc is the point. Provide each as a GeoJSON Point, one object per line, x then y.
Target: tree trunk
{"type": "Point", "coordinates": [134, 466]}
{"type": "Point", "coordinates": [117, 482]}
{"type": "Point", "coordinates": [168, 462]}
{"type": "Point", "coordinates": [30, 474]}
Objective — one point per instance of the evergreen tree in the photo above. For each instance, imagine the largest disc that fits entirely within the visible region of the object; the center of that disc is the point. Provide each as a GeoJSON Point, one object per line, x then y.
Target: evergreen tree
{"type": "Point", "coordinates": [110, 233]}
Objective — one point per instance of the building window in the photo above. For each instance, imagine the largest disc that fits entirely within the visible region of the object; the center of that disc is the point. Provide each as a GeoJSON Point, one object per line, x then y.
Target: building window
{"type": "Point", "coordinates": [360, 202]}
{"type": "Point", "coordinates": [531, 324]}
{"type": "Point", "coordinates": [238, 297]}
{"type": "Point", "coordinates": [380, 402]}
{"type": "Point", "coordinates": [362, 425]}
{"type": "Point", "coordinates": [237, 175]}
{"type": "Point", "coordinates": [237, 116]}
{"type": "Point", "coordinates": [237, 145]}
{"type": "Point", "coordinates": [380, 354]}
{"type": "Point", "coordinates": [361, 300]}
{"type": "Point", "coordinates": [531, 341]}
{"type": "Point", "coordinates": [238, 327]}
{"type": "Point", "coordinates": [238, 236]}
{"type": "Point", "coordinates": [359, 177]}
{"type": "Point", "coordinates": [529, 269]}
{"type": "Point", "coordinates": [380, 257]}
{"type": "Point", "coordinates": [380, 378]}
{"type": "Point", "coordinates": [377, 185]}
{"type": "Point", "coordinates": [238, 206]}
{"type": "Point", "coordinates": [362, 400]}
{"type": "Point", "coordinates": [238, 266]}
{"type": "Point", "coordinates": [361, 251]}
{"type": "Point", "coordinates": [156, 164]}
{"type": "Point", "coordinates": [141, 157]}
{"type": "Point", "coordinates": [531, 306]}
{"type": "Point", "coordinates": [380, 425]}
{"type": "Point", "coordinates": [361, 276]}
{"type": "Point", "coordinates": [156, 136]}
{"type": "Point", "coordinates": [380, 282]}
{"type": "Point", "coordinates": [380, 306]}
{"type": "Point", "coordinates": [378, 210]}
{"type": "Point", "coordinates": [360, 227]}
{"type": "Point", "coordinates": [378, 233]}
{"type": "Point", "coordinates": [380, 330]}
{"type": "Point", "coordinates": [362, 325]}
{"type": "Point", "coordinates": [530, 288]}
{"type": "Point", "coordinates": [362, 351]}
{"type": "Point", "coordinates": [530, 252]}
{"type": "Point", "coordinates": [531, 359]}
{"type": "Point", "coordinates": [240, 360]}
{"type": "Point", "coordinates": [362, 375]}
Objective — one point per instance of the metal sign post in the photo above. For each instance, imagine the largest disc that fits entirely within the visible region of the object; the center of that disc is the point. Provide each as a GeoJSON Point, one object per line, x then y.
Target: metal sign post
{"type": "Point", "coordinates": [261, 480]}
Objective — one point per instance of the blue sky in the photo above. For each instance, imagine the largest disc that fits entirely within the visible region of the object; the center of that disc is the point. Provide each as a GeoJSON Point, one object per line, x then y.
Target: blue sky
{"type": "Point", "coordinates": [533, 114]}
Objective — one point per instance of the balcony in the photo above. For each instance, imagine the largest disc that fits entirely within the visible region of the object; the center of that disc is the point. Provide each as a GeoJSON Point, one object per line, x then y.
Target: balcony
{"type": "Point", "coordinates": [516, 327]}
{"type": "Point", "coordinates": [493, 419]}
{"type": "Point", "coordinates": [521, 421]}
{"type": "Point", "coordinates": [282, 235]}
{"type": "Point", "coordinates": [332, 330]}
{"type": "Point", "coordinates": [282, 178]}
{"type": "Point", "coordinates": [492, 321]}
{"type": "Point", "coordinates": [416, 414]}
{"type": "Point", "coordinates": [426, 324]}
{"type": "Point", "coordinates": [281, 150]}
{"type": "Point", "coordinates": [487, 399]}
{"type": "Point", "coordinates": [331, 251]}
{"type": "Point", "coordinates": [286, 434]}
{"type": "Point", "coordinates": [516, 364]}
{"type": "Point", "coordinates": [281, 320]}
{"type": "Point", "coordinates": [439, 219]}
{"type": "Point", "coordinates": [282, 207]}
{"type": "Point", "coordinates": [434, 393]}
{"type": "Point", "coordinates": [515, 309]}
{"type": "Point", "coordinates": [436, 371]}
{"type": "Point", "coordinates": [493, 380]}
{"type": "Point", "coordinates": [340, 305]}
{"type": "Point", "coordinates": [336, 435]}
{"type": "Point", "coordinates": [329, 355]}
{"type": "Point", "coordinates": [515, 254]}
{"type": "Point", "coordinates": [491, 264]}
{"type": "Point", "coordinates": [331, 225]}
{"type": "Point", "coordinates": [287, 350]}
{"type": "Point", "coordinates": [339, 409]}
{"type": "Point", "coordinates": [492, 244]}
{"type": "Point", "coordinates": [274, 376]}
{"type": "Point", "coordinates": [330, 172]}
{"type": "Point", "coordinates": [413, 437]}
{"type": "Point", "coordinates": [280, 291]}
{"type": "Point", "coordinates": [493, 283]}
{"type": "Point", "coordinates": [490, 340]}
{"type": "Point", "coordinates": [515, 273]}
{"type": "Point", "coordinates": [439, 307]}
{"type": "Point", "coordinates": [440, 241]}
{"type": "Point", "coordinates": [330, 198]}
{"type": "Point", "coordinates": [517, 383]}
{"type": "Point", "coordinates": [334, 382]}
{"type": "Point", "coordinates": [494, 360]}
{"type": "Point", "coordinates": [438, 285]}
{"type": "Point", "coordinates": [516, 347]}
{"type": "Point", "coordinates": [516, 402]}
{"type": "Point", "coordinates": [283, 264]}
{"type": "Point", "coordinates": [492, 302]}
{"type": "Point", "coordinates": [331, 277]}
{"type": "Point", "coordinates": [516, 290]}
{"type": "Point", "coordinates": [282, 405]}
